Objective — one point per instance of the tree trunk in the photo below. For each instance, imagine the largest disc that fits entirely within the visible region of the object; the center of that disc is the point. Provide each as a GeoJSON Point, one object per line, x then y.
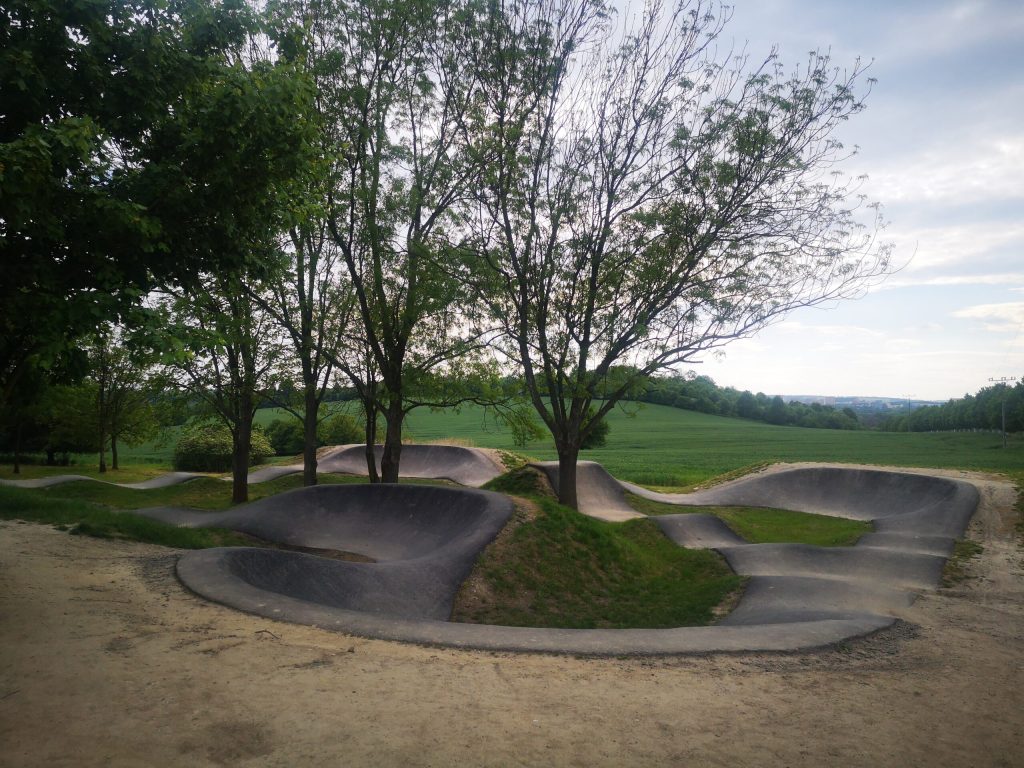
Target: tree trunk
{"type": "Point", "coordinates": [17, 445]}
{"type": "Point", "coordinates": [101, 402]}
{"type": "Point", "coordinates": [370, 409]}
{"type": "Point", "coordinates": [389, 463]}
{"type": "Point", "coordinates": [113, 450]}
{"type": "Point", "coordinates": [242, 436]}
{"type": "Point", "coordinates": [309, 445]}
{"type": "Point", "coordinates": [103, 450]}
{"type": "Point", "coordinates": [567, 456]}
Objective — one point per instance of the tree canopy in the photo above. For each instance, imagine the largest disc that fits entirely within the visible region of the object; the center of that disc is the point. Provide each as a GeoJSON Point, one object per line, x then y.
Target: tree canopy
{"type": "Point", "coordinates": [138, 145]}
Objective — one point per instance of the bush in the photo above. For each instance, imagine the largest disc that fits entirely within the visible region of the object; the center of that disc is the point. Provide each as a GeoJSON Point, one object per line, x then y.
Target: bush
{"type": "Point", "coordinates": [340, 429]}
{"type": "Point", "coordinates": [208, 448]}
{"type": "Point", "coordinates": [287, 436]}
{"type": "Point", "coordinates": [598, 437]}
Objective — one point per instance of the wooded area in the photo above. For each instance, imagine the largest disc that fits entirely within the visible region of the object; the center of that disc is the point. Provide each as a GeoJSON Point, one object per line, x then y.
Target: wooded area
{"type": "Point", "coordinates": [423, 200]}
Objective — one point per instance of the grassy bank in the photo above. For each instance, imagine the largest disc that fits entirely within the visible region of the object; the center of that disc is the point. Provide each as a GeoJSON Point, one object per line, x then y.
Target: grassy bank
{"type": "Point", "coordinates": [553, 567]}
{"type": "Point", "coordinates": [202, 493]}
{"type": "Point", "coordinates": [92, 519]}
{"type": "Point", "coordinates": [763, 525]}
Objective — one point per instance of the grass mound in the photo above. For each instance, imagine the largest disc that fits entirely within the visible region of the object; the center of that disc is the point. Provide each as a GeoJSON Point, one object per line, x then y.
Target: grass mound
{"type": "Point", "coordinates": [94, 520]}
{"type": "Point", "coordinates": [202, 493]}
{"type": "Point", "coordinates": [553, 567]}
{"type": "Point", "coordinates": [764, 525]}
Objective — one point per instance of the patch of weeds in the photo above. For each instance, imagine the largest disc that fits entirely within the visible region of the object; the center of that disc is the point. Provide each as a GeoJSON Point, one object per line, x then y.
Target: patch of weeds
{"type": "Point", "coordinates": [513, 460]}
{"type": "Point", "coordinates": [524, 481]}
{"type": "Point", "coordinates": [956, 570]}
{"type": "Point", "coordinates": [88, 519]}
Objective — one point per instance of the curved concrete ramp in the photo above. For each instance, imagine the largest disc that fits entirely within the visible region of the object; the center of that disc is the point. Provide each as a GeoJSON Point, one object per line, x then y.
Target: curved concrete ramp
{"type": "Point", "coordinates": [598, 494]}
{"type": "Point", "coordinates": [916, 519]}
{"type": "Point", "coordinates": [895, 501]}
{"type": "Point", "coordinates": [465, 466]}
{"type": "Point", "coordinates": [423, 540]}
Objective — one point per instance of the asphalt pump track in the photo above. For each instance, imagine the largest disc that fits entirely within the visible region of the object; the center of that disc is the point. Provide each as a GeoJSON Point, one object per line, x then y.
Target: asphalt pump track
{"type": "Point", "coordinates": [421, 543]}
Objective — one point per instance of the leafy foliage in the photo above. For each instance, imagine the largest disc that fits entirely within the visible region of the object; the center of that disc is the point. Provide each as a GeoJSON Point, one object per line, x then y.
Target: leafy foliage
{"type": "Point", "coordinates": [982, 410]}
{"type": "Point", "coordinates": [700, 393]}
{"type": "Point", "coordinates": [136, 149]}
{"type": "Point", "coordinates": [644, 203]}
{"type": "Point", "coordinates": [209, 448]}
{"type": "Point", "coordinates": [288, 437]}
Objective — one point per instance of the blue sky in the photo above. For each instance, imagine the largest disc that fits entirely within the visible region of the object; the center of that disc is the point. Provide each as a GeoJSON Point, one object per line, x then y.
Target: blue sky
{"type": "Point", "coordinates": [942, 142]}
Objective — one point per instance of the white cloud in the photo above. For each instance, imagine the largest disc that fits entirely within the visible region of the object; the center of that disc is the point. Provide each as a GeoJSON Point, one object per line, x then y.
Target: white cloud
{"type": "Point", "coordinates": [1003, 279]}
{"type": "Point", "coordinates": [950, 27]}
{"type": "Point", "coordinates": [1005, 317]}
{"type": "Point", "coordinates": [954, 244]}
{"type": "Point", "coordinates": [844, 331]}
{"type": "Point", "coordinates": [988, 169]}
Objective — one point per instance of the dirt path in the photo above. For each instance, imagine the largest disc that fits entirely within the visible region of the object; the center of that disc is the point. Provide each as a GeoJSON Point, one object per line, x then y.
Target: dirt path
{"type": "Point", "coordinates": [105, 660]}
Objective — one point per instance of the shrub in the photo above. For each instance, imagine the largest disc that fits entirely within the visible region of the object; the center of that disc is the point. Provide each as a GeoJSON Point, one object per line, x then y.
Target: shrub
{"type": "Point", "coordinates": [340, 429]}
{"type": "Point", "coordinates": [598, 437]}
{"type": "Point", "coordinates": [286, 436]}
{"type": "Point", "coordinates": [207, 448]}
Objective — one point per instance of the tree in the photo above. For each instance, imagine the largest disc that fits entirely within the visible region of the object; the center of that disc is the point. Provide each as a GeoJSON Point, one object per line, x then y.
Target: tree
{"type": "Point", "coordinates": [122, 407]}
{"type": "Point", "coordinates": [312, 307]}
{"type": "Point", "coordinates": [643, 204]}
{"type": "Point", "coordinates": [395, 87]}
{"type": "Point", "coordinates": [136, 147]}
{"type": "Point", "coordinates": [227, 357]}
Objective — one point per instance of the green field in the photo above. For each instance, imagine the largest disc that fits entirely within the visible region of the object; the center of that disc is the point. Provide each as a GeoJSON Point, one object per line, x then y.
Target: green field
{"type": "Point", "coordinates": [661, 446]}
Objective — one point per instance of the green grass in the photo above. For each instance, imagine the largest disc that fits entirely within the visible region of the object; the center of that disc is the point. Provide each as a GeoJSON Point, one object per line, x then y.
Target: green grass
{"type": "Point", "coordinates": [94, 520]}
{"type": "Point", "coordinates": [203, 493]}
{"type": "Point", "coordinates": [562, 569]}
{"type": "Point", "coordinates": [128, 473]}
{"type": "Point", "coordinates": [660, 446]}
{"type": "Point", "coordinates": [764, 525]}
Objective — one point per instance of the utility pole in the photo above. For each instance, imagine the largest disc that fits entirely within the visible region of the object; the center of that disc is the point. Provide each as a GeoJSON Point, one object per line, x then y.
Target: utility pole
{"type": "Point", "coordinates": [1004, 380]}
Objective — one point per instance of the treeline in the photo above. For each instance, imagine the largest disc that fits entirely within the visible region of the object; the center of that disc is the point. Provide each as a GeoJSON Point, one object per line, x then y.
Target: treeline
{"type": "Point", "coordinates": [703, 395]}
{"type": "Point", "coordinates": [979, 411]}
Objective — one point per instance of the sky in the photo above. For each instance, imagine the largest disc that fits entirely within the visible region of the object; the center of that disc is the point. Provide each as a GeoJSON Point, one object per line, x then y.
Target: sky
{"type": "Point", "coordinates": [942, 144]}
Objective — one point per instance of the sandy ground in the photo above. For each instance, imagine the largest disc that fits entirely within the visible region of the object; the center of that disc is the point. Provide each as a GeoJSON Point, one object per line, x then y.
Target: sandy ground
{"type": "Point", "coordinates": [105, 660]}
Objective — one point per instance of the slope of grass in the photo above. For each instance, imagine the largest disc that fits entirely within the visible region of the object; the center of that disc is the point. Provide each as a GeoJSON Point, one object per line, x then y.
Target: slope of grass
{"type": "Point", "coordinates": [553, 567]}
{"type": "Point", "coordinates": [128, 473]}
{"type": "Point", "coordinates": [94, 520]}
{"type": "Point", "coordinates": [203, 493]}
{"type": "Point", "coordinates": [764, 525]}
